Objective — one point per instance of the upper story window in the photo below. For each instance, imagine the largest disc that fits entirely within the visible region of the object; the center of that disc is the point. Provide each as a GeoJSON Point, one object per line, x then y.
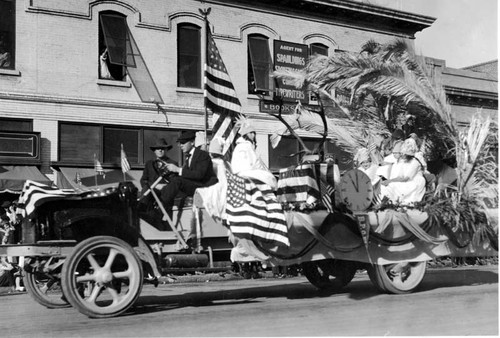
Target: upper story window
{"type": "Point", "coordinates": [115, 51]}
{"type": "Point", "coordinates": [188, 56]}
{"type": "Point", "coordinates": [7, 33]}
{"type": "Point", "coordinates": [260, 65]}
{"type": "Point", "coordinates": [318, 48]}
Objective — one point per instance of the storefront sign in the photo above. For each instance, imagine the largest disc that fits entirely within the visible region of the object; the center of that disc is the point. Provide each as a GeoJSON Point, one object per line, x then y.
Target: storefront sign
{"type": "Point", "coordinates": [287, 108]}
{"type": "Point", "coordinates": [289, 56]}
{"type": "Point", "coordinates": [20, 145]}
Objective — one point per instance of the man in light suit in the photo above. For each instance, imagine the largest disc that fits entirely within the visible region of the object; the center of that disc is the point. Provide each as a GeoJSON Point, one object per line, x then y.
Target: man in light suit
{"type": "Point", "coordinates": [196, 172]}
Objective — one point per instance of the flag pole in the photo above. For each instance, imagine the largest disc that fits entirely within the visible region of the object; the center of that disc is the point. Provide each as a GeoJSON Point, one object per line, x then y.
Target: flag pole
{"type": "Point", "coordinates": [205, 13]}
{"type": "Point", "coordinates": [95, 169]}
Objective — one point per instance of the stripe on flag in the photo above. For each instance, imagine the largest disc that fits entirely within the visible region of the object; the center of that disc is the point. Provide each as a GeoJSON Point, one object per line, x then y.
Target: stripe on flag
{"type": "Point", "coordinates": [220, 96]}
{"type": "Point", "coordinates": [253, 212]}
{"type": "Point", "coordinates": [34, 194]}
{"type": "Point", "coordinates": [124, 161]}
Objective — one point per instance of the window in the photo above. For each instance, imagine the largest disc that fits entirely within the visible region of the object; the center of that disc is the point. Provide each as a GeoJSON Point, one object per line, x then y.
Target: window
{"type": "Point", "coordinates": [114, 44]}
{"type": "Point", "coordinates": [16, 125]}
{"type": "Point", "coordinates": [106, 142]}
{"type": "Point", "coordinates": [316, 49]}
{"type": "Point", "coordinates": [7, 33]}
{"type": "Point", "coordinates": [279, 157]}
{"type": "Point", "coordinates": [188, 56]}
{"type": "Point", "coordinates": [260, 65]}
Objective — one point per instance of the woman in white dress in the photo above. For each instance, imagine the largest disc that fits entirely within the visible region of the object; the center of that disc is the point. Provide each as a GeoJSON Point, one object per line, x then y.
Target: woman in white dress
{"type": "Point", "coordinates": [406, 184]}
{"type": "Point", "coordinates": [363, 161]}
{"type": "Point", "coordinates": [245, 161]}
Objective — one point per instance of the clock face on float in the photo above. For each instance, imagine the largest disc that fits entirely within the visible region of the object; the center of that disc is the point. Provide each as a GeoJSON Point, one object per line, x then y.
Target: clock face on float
{"type": "Point", "coordinates": [356, 190]}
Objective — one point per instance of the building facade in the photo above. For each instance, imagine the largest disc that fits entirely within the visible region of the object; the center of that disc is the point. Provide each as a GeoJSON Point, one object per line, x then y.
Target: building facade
{"type": "Point", "coordinates": [85, 79]}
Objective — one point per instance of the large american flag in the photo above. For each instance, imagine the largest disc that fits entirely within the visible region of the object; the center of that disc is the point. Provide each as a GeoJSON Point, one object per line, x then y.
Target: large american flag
{"type": "Point", "coordinates": [220, 96]}
{"type": "Point", "coordinates": [253, 212]}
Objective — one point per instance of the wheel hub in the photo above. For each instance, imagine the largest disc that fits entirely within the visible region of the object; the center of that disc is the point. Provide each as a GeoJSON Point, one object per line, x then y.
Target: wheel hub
{"type": "Point", "coordinates": [103, 276]}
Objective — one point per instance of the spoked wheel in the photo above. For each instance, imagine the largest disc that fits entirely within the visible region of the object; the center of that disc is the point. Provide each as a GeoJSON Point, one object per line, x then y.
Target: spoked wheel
{"type": "Point", "coordinates": [102, 277]}
{"type": "Point", "coordinates": [397, 278]}
{"type": "Point", "coordinates": [329, 274]}
{"type": "Point", "coordinates": [42, 279]}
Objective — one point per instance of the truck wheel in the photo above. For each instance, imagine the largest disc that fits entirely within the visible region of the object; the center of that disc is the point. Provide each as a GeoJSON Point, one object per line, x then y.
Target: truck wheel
{"type": "Point", "coordinates": [329, 274]}
{"type": "Point", "coordinates": [102, 277]}
{"type": "Point", "coordinates": [397, 278]}
{"type": "Point", "coordinates": [43, 283]}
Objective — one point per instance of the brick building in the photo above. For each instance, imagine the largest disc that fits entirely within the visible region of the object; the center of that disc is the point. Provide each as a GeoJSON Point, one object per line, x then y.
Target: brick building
{"type": "Point", "coordinates": [60, 108]}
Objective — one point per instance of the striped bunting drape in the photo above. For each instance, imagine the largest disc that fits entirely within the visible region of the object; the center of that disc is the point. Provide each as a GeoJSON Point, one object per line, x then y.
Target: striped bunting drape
{"type": "Point", "coordinates": [253, 212]}
{"type": "Point", "coordinates": [34, 194]}
{"type": "Point", "coordinates": [298, 185]}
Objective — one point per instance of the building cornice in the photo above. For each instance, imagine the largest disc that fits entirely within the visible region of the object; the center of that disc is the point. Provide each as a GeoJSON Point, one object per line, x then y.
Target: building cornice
{"type": "Point", "coordinates": [342, 12]}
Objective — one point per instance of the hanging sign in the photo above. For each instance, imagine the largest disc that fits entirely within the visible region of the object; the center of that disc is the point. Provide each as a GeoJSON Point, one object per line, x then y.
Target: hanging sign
{"type": "Point", "coordinates": [289, 56]}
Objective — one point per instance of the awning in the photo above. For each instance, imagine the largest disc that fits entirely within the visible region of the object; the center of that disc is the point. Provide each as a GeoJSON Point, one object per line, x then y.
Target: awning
{"type": "Point", "coordinates": [88, 179]}
{"type": "Point", "coordinates": [12, 177]}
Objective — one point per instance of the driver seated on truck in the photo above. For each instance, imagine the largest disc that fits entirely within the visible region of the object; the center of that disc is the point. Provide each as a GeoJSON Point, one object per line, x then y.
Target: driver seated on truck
{"type": "Point", "coordinates": [153, 170]}
{"type": "Point", "coordinates": [196, 172]}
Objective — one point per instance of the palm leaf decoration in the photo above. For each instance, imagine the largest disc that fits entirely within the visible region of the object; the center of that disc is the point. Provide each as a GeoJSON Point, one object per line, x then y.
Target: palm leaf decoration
{"type": "Point", "coordinates": [384, 81]}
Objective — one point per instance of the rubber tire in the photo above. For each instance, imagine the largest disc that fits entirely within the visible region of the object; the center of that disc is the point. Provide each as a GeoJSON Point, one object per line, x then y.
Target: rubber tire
{"type": "Point", "coordinates": [319, 273]}
{"type": "Point", "coordinates": [380, 278]}
{"type": "Point", "coordinates": [34, 289]}
{"type": "Point", "coordinates": [78, 259]}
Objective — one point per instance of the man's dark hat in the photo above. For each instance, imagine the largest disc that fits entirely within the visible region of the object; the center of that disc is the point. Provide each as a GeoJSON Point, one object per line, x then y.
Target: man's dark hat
{"type": "Point", "coordinates": [186, 136]}
{"type": "Point", "coordinates": [161, 143]}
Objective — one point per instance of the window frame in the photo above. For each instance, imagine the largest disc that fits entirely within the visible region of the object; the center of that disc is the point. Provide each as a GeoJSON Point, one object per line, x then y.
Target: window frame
{"type": "Point", "coordinates": [117, 71]}
{"type": "Point", "coordinates": [8, 32]}
{"type": "Point", "coordinates": [253, 64]}
{"type": "Point", "coordinates": [181, 56]}
{"type": "Point", "coordinates": [312, 98]}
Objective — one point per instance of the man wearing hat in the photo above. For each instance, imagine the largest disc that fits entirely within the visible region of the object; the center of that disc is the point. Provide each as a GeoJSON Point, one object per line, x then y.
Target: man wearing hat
{"type": "Point", "coordinates": [153, 170]}
{"type": "Point", "coordinates": [196, 172]}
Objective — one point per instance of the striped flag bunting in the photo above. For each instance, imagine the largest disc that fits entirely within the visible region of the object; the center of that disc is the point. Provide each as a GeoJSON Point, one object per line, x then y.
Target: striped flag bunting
{"type": "Point", "coordinates": [298, 185]}
{"type": "Point", "coordinates": [34, 194]}
{"type": "Point", "coordinates": [253, 212]}
{"type": "Point", "coordinates": [78, 178]}
{"type": "Point", "coordinates": [220, 96]}
{"type": "Point", "coordinates": [98, 167]}
{"type": "Point", "coordinates": [124, 162]}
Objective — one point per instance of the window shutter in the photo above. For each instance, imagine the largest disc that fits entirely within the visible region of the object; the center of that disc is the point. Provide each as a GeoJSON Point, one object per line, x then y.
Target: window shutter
{"type": "Point", "coordinates": [262, 64]}
{"type": "Point", "coordinates": [117, 39]}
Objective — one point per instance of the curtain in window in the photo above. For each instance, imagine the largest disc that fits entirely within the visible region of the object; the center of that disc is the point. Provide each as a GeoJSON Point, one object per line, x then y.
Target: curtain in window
{"type": "Point", "coordinates": [261, 61]}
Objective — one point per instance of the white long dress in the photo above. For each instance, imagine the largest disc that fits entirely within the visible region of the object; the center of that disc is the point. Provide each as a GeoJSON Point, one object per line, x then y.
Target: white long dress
{"type": "Point", "coordinates": [246, 163]}
{"type": "Point", "coordinates": [407, 192]}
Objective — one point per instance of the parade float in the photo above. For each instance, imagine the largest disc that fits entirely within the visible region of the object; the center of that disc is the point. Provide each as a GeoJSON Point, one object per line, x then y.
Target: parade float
{"type": "Point", "coordinates": [90, 245]}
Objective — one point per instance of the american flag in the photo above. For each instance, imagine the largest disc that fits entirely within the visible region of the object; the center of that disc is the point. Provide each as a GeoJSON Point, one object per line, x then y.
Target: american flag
{"type": "Point", "coordinates": [98, 167]}
{"type": "Point", "coordinates": [327, 191]}
{"type": "Point", "coordinates": [124, 161]}
{"type": "Point", "coordinates": [253, 212]}
{"type": "Point", "coordinates": [220, 96]}
{"type": "Point", "coordinates": [35, 193]}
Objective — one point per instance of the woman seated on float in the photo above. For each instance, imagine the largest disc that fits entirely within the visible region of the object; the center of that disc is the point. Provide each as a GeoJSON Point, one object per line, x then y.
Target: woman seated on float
{"type": "Point", "coordinates": [245, 162]}
{"type": "Point", "coordinates": [364, 162]}
{"type": "Point", "coordinates": [406, 183]}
